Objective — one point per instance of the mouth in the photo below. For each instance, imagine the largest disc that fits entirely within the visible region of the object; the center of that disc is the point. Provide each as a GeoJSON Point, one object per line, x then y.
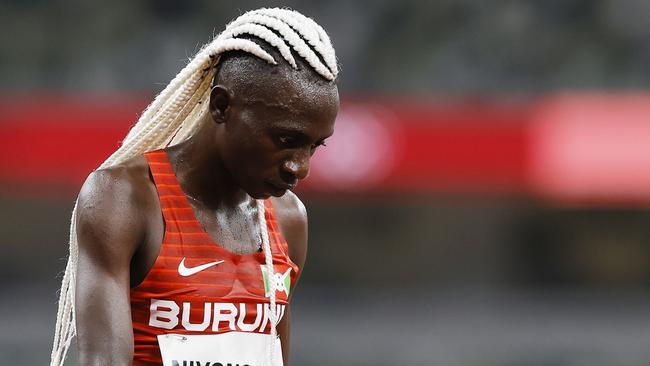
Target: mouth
{"type": "Point", "coordinates": [279, 188]}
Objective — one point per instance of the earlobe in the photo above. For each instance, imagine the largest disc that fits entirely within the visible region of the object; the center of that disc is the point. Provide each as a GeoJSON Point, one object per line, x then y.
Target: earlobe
{"type": "Point", "coordinates": [220, 98]}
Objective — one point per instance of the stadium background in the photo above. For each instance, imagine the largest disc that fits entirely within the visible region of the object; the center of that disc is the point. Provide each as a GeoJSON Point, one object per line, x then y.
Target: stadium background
{"type": "Point", "coordinates": [484, 201]}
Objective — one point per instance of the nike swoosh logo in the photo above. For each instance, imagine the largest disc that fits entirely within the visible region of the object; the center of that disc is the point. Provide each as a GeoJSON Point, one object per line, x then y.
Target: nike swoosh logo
{"type": "Point", "coordinates": [184, 271]}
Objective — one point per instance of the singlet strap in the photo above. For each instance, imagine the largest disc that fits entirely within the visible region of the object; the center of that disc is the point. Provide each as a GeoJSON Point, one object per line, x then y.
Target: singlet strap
{"type": "Point", "coordinates": [169, 190]}
{"type": "Point", "coordinates": [272, 226]}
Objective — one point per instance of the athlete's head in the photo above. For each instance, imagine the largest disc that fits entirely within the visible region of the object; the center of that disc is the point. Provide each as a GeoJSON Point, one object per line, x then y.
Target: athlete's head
{"type": "Point", "coordinates": [279, 121]}
{"type": "Point", "coordinates": [269, 119]}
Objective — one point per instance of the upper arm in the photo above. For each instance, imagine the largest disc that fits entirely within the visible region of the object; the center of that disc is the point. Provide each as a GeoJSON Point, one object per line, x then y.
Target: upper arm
{"type": "Point", "coordinates": [109, 230]}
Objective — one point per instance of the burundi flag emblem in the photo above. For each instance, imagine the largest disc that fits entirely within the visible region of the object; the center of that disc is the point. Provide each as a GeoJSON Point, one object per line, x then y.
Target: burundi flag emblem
{"type": "Point", "coordinates": [282, 281]}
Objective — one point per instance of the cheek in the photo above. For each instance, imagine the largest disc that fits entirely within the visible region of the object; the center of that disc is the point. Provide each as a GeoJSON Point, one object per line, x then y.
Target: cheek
{"type": "Point", "coordinates": [251, 151]}
{"type": "Point", "coordinates": [268, 160]}
{"type": "Point", "coordinates": [259, 158]}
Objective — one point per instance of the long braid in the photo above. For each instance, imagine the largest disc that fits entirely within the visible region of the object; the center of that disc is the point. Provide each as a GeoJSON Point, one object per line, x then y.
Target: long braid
{"type": "Point", "coordinates": [175, 114]}
{"type": "Point", "coordinates": [270, 271]}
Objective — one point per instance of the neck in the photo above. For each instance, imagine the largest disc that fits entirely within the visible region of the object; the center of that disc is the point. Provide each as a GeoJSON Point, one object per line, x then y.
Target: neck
{"type": "Point", "coordinates": [201, 172]}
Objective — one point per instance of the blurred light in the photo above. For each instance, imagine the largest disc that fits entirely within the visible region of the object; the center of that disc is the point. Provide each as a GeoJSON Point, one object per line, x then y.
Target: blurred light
{"type": "Point", "coordinates": [592, 147]}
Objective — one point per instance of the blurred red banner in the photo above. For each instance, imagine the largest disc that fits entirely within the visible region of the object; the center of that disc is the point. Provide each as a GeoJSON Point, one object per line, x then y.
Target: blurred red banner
{"type": "Point", "coordinates": [565, 147]}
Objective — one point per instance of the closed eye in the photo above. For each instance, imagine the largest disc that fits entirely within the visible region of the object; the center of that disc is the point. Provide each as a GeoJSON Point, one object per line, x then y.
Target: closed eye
{"type": "Point", "coordinates": [287, 142]}
{"type": "Point", "coordinates": [295, 140]}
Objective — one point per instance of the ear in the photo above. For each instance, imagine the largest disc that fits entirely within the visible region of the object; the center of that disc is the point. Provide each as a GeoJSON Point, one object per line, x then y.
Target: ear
{"type": "Point", "coordinates": [220, 98]}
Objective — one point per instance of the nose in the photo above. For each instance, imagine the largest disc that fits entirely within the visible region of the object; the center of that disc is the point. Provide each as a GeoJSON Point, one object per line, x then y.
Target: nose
{"type": "Point", "coordinates": [297, 166]}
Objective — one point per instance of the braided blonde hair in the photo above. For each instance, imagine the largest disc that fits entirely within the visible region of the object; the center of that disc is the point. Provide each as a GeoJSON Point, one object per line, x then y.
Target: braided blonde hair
{"type": "Point", "coordinates": [175, 113]}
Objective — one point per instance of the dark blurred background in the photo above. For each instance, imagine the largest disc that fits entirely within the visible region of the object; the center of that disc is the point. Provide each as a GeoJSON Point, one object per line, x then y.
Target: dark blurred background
{"type": "Point", "coordinates": [484, 201]}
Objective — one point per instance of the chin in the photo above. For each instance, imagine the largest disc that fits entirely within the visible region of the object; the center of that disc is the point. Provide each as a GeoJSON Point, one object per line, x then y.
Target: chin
{"type": "Point", "coordinates": [266, 191]}
{"type": "Point", "coordinates": [279, 194]}
{"type": "Point", "coordinates": [266, 195]}
{"type": "Point", "coordinates": [260, 194]}
{"type": "Point", "coordinates": [258, 191]}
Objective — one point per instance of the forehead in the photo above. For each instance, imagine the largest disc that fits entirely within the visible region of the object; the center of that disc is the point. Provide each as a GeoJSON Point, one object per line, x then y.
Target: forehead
{"type": "Point", "coordinates": [292, 100]}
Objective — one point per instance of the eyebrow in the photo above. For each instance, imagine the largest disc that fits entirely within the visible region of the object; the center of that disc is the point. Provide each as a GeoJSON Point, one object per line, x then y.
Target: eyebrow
{"type": "Point", "coordinates": [289, 128]}
{"type": "Point", "coordinates": [298, 131]}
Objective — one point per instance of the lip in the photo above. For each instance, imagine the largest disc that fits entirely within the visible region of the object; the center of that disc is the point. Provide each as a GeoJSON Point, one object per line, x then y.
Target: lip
{"type": "Point", "coordinates": [280, 187]}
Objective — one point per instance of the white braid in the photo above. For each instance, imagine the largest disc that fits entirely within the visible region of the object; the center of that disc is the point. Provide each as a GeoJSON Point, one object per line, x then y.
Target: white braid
{"type": "Point", "coordinates": [194, 69]}
{"type": "Point", "coordinates": [292, 37]}
{"type": "Point", "coordinates": [194, 118]}
{"type": "Point", "coordinates": [312, 32]}
{"type": "Point", "coordinates": [264, 33]}
{"type": "Point", "coordinates": [65, 323]}
{"type": "Point", "coordinates": [270, 270]}
{"type": "Point", "coordinates": [161, 100]}
{"type": "Point", "coordinates": [175, 115]}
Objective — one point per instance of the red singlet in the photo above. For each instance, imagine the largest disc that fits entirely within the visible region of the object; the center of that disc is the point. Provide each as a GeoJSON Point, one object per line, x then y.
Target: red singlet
{"type": "Point", "coordinates": [201, 304]}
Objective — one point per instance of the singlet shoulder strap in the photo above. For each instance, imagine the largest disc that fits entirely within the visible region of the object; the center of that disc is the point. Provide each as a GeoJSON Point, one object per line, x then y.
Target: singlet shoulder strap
{"type": "Point", "coordinates": [277, 241]}
{"type": "Point", "coordinates": [169, 191]}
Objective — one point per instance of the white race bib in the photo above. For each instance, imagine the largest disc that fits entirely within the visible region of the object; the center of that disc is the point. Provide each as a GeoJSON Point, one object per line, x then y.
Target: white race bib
{"type": "Point", "coordinates": [226, 349]}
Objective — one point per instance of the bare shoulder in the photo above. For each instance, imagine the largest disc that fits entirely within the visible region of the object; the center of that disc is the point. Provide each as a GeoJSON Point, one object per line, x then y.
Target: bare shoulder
{"type": "Point", "coordinates": [290, 210]}
{"type": "Point", "coordinates": [292, 220]}
{"type": "Point", "coordinates": [112, 206]}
